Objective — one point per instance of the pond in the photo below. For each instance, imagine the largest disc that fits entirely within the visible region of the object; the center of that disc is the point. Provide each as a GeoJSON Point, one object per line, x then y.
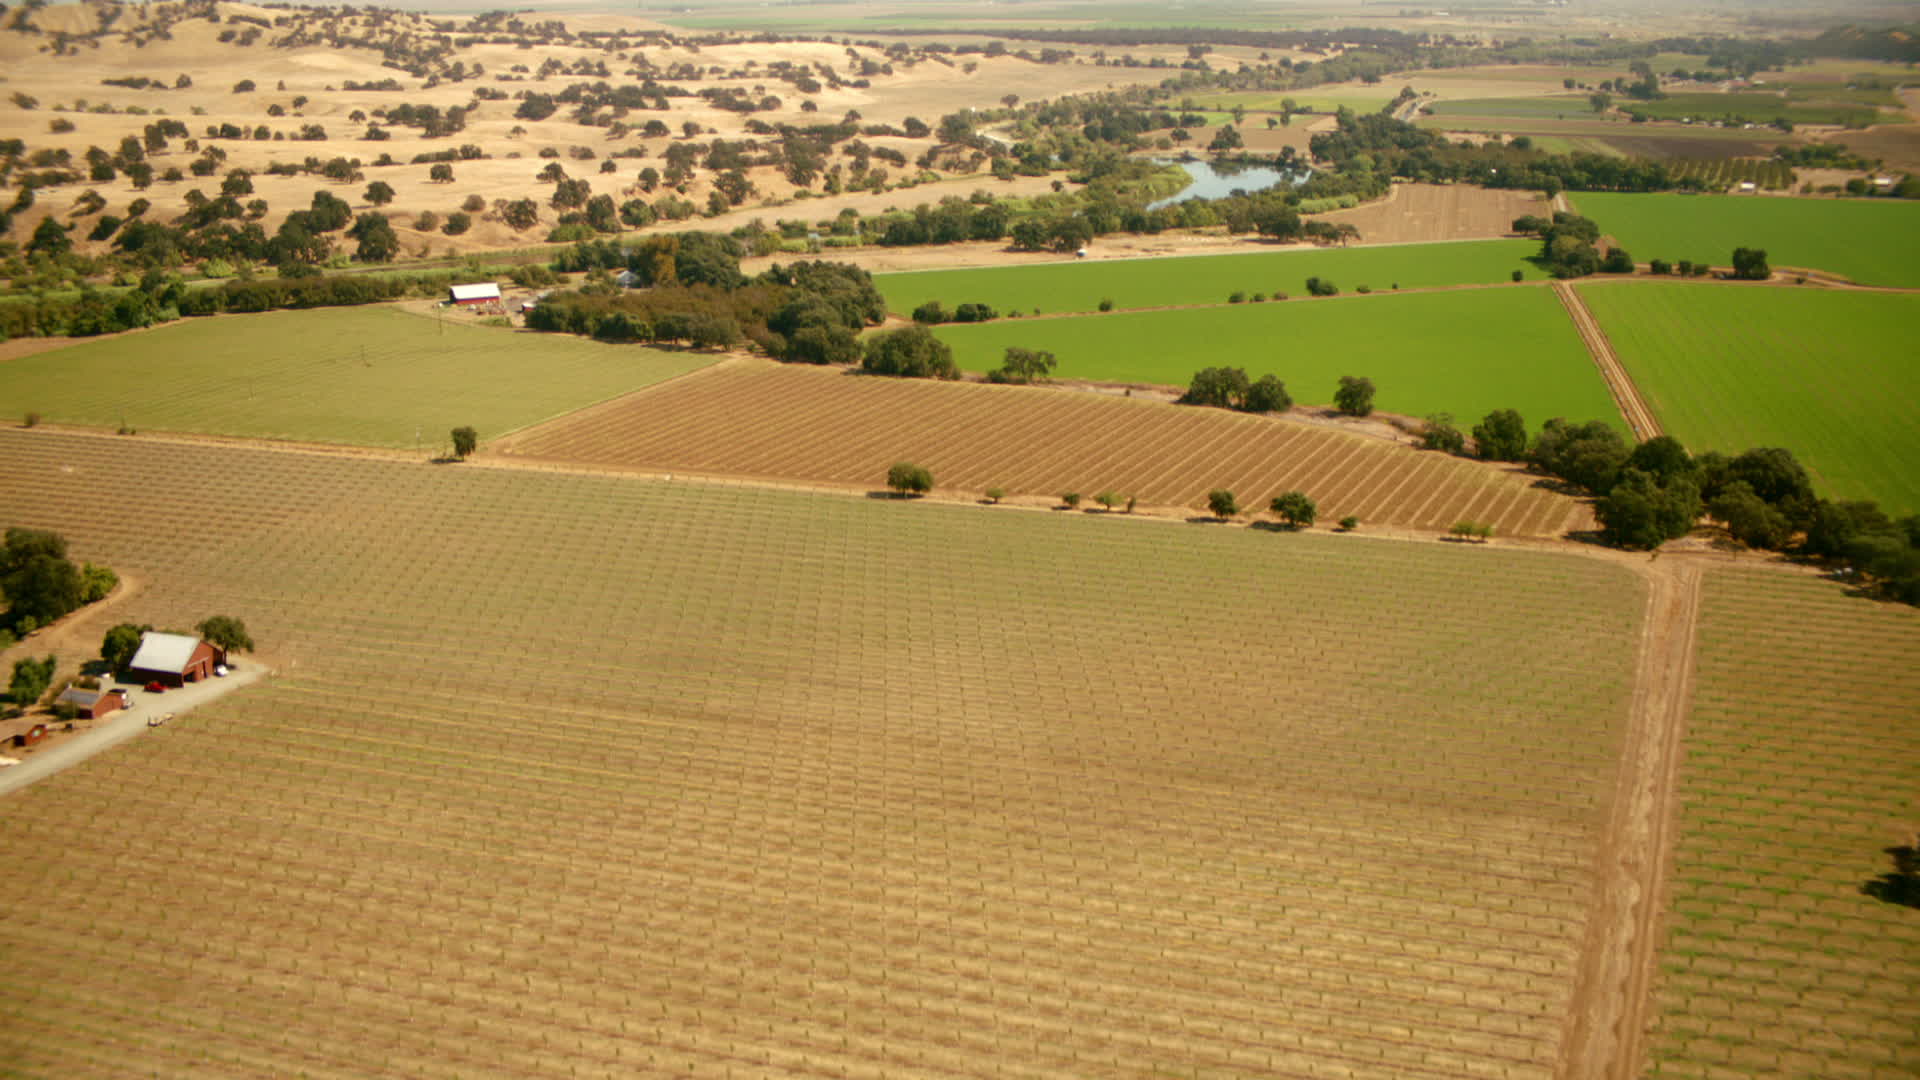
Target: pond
{"type": "Point", "coordinates": [1212, 180]}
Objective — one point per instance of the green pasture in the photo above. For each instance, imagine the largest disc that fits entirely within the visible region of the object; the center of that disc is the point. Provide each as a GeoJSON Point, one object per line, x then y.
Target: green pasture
{"type": "Point", "coordinates": [1055, 287]}
{"type": "Point", "coordinates": [1826, 374]}
{"type": "Point", "coordinates": [369, 376]}
{"type": "Point", "coordinates": [1558, 105]}
{"type": "Point", "coordinates": [1752, 108]}
{"type": "Point", "coordinates": [1466, 352]}
{"type": "Point", "coordinates": [1874, 242]}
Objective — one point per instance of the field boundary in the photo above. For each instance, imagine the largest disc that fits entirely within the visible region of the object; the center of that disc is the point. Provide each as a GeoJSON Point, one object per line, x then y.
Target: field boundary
{"type": "Point", "coordinates": [1606, 1033]}
{"type": "Point", "coordinates": [1626, 395]}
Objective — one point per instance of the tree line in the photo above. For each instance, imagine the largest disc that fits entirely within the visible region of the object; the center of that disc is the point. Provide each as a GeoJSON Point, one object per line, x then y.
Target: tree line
{"type": "Point", "coordinates": [1657, 491]}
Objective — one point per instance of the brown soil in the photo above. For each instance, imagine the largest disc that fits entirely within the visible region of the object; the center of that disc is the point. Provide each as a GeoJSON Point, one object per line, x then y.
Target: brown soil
{"type": "Point", "coordinates": [1422, 213]}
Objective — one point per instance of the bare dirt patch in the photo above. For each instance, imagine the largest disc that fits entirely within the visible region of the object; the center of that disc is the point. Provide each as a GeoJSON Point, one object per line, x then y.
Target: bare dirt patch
{"type": "Point", "coordinates": [1421, 213]}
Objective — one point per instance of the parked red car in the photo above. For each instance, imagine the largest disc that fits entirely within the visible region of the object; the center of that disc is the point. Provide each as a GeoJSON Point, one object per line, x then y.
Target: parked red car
{"type": "Point", "coordinates": [156, 687]}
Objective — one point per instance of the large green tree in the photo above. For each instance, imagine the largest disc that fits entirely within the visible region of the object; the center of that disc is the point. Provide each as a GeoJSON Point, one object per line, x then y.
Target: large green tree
{"type": "Point", "coordinates": [1354, 396]}
{"type": "Point", "coordinates": [1501, 436]}
{"type": "Point", "coordinates": [910, 351]}
{"type": "Point", "coordinates": [1296, 508]}
{"type": "Point", "coordinates": [119, 645]}
{"type": "Point", "coordinates": [39, 582]}
{"type": "Point", "coordinates": [1221, 387]}
{"type": "Point", "coordinates": [1641, 512]}
{"type": "Point", "coordinates": [378, 242]}
{"type": "Point", "coordinates": [30, 680]}
{"type": "Point", "coordinates": [906, 478]}
{"type": "Point", "coordinates": [226, 633]}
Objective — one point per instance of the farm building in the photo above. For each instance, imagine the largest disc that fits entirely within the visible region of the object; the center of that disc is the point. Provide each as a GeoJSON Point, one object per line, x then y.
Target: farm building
{"type": "Point", "coordinates": [30, 736]}
{"type": "Point", "coordinates": [482, 293]}
{"type": "Point", "coordinates": [94, 704]}
{"type": "Point", "coordinates": [627, 279]}
{"type": "Point", "coordinates": [173, 659]}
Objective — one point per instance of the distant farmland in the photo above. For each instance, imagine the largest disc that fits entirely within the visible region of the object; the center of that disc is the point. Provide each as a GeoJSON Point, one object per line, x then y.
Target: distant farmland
{"type": "Point", "coordinates": [1826, 374]}
{"type": "Point", "coordinates": [1802, 765]}
{"type": "Point", "coordinates": [583, 775]}
{"type": "Point", "coordinates": [1872, 241]}
{"type": "Point", "coordinates": [1208, 279]}
{"type": "Point", "coordinates": [372, 376]}
{"type": "Point", "coordinates": [800, 423]}
{"type": "Point", "coordinates": [1467, 352]}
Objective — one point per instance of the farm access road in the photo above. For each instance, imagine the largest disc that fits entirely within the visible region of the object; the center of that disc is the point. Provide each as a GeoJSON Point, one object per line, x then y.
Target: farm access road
{"type": "Point", "coordinates": [1625, 394]}
{"type": "Point", "coordinates": [1605, 1034]}
{"type": "Point", "coordinates": [126, 724]}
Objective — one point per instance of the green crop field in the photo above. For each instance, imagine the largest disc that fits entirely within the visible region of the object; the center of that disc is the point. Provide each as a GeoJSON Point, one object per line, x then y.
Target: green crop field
{"type": "Point", "coordinates": [372, 376]}
{"type": "Point", "coordinates": [1758, 108]}
{"type": "Point", "coordinates": [1055, 287]}
{"type": "Point", "coordinates": [1872, 241]}
{"type": "Point", "coordinates": [1825, 374]}
{"type": "Point", "coordinates": [571, 775]}
{"type": "Point", "coordinates": [1568, 105]}
{"type": "Point", "coordinates": [1466, 352]}
{"type": "Point", "coordinates": [1802, 765]}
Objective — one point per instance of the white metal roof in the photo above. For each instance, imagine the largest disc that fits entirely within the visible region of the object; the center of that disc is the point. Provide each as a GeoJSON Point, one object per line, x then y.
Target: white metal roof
{"type": "Point", "coordinates": [486, 291]}
{"type": "Point", "coordinates": [164, 652]}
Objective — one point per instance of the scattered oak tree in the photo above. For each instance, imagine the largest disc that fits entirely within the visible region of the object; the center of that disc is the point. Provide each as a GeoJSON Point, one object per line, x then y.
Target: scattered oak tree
{"type": "Point", "coordinates": [225, 633]}
{"type": "Point", "coordinates": [906, 478]}
{"type": "Point", "coordinates": [1440, 434]}
{"type": "Point", "coordinates": [1354, 397]}
{"type": "Point", "coordinates": [1222, 503]}
{"type": "Point", "coordinates": [1750, 264]}
{"type": "Point", "coordinates": [1295, 508]}
{"type": "Point", "coordinates": [1023, 366]}
{"type": "Point", "coordinates": [1267, 394]}
{"type": "Point", "coordinates": [465, 440]}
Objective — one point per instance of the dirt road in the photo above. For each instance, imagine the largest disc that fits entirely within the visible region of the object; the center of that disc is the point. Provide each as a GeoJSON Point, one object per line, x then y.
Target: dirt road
{"type": "Point", "coordinates": [1606, 1023]}
{"type": "Point", "coordinates": [1625, 394]}
{"type": "Point", "coordinates": [123, 725]}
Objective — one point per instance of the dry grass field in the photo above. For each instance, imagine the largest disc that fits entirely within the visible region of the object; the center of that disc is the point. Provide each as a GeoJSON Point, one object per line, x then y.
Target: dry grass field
{"type": "Point", "coordinates": [1802, 765]}
{"type": "Point", "coordinates": [602, 776]}
{"type": "Point", "coordinates": [69, 88]}
{"type": "Point", "coordinates": [831, 427]}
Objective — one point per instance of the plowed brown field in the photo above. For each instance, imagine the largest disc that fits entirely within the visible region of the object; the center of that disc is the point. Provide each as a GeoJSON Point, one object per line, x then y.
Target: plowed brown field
{"type": "Point", "coordinates": [1422, 213]}
{"type": "Point", "coordinates": [824, 426]}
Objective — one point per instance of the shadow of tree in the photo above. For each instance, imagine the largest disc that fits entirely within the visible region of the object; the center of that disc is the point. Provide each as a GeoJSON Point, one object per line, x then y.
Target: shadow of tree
{"type": "Point", "coordinates": [1902, 884]}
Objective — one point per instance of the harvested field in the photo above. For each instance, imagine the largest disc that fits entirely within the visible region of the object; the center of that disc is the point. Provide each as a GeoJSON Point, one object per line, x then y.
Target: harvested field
{"type": "Point", "coordinates": [1802, 765]}
{"type": "Point", "coordinates": [831, 427]}
{"type": "Point", "coordinates": [1421, 213]}
{"type": "Point", "coordinates": [878, 788]}
{"type": "Point", "coordinates": [1824, 373]}
{"type": "Point", "coordinates": [373, 376]}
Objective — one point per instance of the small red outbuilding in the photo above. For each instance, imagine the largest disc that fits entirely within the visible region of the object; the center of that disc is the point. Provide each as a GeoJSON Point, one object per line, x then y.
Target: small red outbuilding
{"type": "Point", "coordinates": [94, 704]}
